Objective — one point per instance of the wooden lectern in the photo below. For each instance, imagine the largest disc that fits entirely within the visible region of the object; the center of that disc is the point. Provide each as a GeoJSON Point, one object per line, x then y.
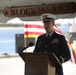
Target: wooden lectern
{"type": "Point", "coordinates": [39, 63]}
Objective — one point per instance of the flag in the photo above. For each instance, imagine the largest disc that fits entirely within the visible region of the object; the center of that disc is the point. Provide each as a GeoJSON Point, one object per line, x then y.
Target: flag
{"type": "Point", "coordinates": [34, 29]}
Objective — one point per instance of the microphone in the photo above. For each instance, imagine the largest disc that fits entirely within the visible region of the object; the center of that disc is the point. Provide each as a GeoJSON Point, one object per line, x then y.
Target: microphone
{"type": "Point", "coordinates": [23, 48]}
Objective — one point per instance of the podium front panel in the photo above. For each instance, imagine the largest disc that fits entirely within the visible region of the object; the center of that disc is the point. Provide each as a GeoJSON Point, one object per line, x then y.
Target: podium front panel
{"type": "Point", "coordinates": [38, 65]}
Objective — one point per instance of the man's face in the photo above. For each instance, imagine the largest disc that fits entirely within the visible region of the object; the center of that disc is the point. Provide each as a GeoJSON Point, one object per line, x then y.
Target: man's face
{"type": "Point", "coordinates": [48, 26]}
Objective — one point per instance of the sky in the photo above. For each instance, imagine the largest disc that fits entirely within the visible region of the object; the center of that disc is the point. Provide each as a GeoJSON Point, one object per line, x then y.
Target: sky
{"type": "Point", "coordinates": [66, 21]}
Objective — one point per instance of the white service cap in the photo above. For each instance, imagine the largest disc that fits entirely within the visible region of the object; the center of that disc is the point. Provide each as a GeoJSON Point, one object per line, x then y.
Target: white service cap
{"type": "Point", "coordinates": [48, 17]}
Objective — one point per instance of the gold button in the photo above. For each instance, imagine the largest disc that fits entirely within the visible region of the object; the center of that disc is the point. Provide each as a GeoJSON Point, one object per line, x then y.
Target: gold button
{"type": "Point", "coordinates": [45, 51]}
{"type": "Point", "coordinates": [46, 46]}
{"type": "Point", "coordinates": [54, 46]}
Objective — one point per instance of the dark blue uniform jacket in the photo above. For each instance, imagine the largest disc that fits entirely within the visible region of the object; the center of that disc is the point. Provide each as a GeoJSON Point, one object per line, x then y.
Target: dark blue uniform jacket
{"type": "Point", "coordinates": [56, 44]}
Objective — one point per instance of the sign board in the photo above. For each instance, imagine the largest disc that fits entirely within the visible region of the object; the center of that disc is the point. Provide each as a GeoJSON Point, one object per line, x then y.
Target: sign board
{"type": "Point", "coordinates": [63, 8]}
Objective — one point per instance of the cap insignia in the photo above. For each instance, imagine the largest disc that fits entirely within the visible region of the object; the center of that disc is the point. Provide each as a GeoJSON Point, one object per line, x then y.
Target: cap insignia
{"type": "Point", "coordinates": [44, 17]}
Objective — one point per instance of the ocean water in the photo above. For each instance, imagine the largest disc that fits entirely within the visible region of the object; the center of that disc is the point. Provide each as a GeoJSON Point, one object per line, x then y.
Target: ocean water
{"type": "Point", "coordinates": [7, 39]}
{"type": "Point", "coordinates": [64, 28]}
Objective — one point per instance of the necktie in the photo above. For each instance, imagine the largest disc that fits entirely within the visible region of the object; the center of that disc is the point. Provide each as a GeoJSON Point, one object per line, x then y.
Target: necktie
{"type": "Point", "coordinates": [47, 38]}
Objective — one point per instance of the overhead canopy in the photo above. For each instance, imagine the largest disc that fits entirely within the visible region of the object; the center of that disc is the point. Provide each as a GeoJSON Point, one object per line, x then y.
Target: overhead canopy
{"type": "Point", "coordinates": [18, 3]}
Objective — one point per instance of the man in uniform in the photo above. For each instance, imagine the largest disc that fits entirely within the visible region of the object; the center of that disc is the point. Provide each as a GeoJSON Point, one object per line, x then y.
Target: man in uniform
{"type": "Point", "coordinates": [53, 42]}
